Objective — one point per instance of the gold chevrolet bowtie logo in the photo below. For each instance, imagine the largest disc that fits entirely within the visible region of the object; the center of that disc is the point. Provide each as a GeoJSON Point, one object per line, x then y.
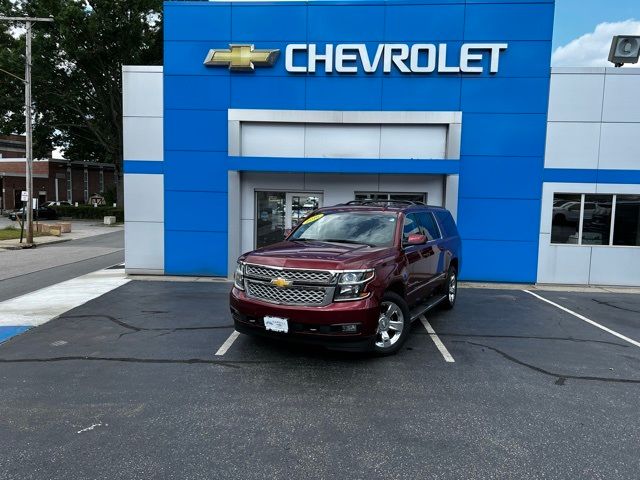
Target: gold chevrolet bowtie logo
{"type": "Point", "coordinates": [281, 282]}
{"type": "Point", "coordinates": [241, 57]}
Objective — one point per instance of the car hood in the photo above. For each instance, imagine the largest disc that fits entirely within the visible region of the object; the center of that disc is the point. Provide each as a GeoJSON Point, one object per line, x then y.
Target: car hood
{"type": "Point", "coordinates": [317, 255]}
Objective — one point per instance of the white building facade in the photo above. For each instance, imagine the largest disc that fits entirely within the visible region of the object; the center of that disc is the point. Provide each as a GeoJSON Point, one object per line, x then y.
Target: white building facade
{"type": "Point", "coordinates": [590, 222]}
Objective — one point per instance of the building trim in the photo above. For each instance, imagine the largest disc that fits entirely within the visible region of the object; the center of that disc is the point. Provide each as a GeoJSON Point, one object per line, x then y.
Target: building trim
{"type": "Point", "coordinates": [580, 175]}
{"type": "Point", "coordinates": [452, 120]}
{"type": "Point", "coordinates": [143, 166]}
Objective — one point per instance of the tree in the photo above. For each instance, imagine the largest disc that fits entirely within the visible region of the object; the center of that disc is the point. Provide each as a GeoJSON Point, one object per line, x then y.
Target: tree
{"type": "Point", "coordinates": [77, 72]}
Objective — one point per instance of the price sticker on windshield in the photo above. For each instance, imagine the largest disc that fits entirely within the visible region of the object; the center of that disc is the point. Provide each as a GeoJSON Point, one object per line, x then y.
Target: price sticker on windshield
{"type": "Point", "coordinates": [314, 218]}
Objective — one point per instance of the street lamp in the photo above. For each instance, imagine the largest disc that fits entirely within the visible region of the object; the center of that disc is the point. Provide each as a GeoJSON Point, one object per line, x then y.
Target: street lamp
{"type": "Point", "coordinates": [28, 115]}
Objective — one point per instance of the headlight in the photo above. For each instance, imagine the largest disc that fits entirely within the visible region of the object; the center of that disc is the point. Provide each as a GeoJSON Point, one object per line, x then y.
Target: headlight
{"type": "Point", "coordinates": [351, 285]}
{"type": "Point", "coordinates": [238, 277]}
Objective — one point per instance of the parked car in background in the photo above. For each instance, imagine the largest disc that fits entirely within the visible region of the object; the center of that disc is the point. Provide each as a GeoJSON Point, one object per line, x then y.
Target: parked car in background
{"type": "Point", "coordinates": [569, 212]}
{"type": "Point", "coordinates": [62, 203]}
{"type": "Point", "coordinates": [41, 213]}
{"type": "Point", "coordinates": [350, 277]}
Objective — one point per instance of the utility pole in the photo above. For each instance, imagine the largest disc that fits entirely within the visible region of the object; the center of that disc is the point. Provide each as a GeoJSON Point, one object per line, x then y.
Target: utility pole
{"type": "Point", "coordinates": [28, 116]}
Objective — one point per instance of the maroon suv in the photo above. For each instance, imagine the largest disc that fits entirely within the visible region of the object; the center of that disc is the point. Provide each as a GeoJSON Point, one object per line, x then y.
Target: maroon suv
{"type": "Point", "coordinates": [353, 276]}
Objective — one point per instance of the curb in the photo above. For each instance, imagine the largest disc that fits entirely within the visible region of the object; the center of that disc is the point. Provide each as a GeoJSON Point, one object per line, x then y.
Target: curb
{"type": "Point", "coordinates": [18, 247]}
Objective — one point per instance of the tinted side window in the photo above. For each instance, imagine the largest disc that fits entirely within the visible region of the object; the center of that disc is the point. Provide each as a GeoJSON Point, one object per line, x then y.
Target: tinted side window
{"type": "Point", "coordinates": [428, 223]}
{"type": "Point", "coordinates": [411, 226]}
{"type": "Point", "coordinates": [449, 228]}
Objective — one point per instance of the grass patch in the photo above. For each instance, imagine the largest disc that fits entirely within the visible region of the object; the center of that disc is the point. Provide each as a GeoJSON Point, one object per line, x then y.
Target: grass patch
{"type": "Point", "coordinates": [12, 233]}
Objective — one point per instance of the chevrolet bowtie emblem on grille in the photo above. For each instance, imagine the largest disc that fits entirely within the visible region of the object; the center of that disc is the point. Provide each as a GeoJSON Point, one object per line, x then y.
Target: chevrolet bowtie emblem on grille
{"type": "Point", "coordinates": [281, 282]}
{"type": "Point", "coordinates": [241, 57]}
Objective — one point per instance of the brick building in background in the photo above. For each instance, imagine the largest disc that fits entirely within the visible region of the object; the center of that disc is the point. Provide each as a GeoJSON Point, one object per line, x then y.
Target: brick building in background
{"type": "Point", "coordinates": [53, 179]}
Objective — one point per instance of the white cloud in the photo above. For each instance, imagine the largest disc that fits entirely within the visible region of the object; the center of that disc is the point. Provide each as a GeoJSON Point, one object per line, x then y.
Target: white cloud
{"type": "Point", "coordinates": [592, 49]}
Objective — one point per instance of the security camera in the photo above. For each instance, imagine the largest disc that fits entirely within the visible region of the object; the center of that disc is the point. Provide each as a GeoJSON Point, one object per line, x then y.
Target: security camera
{"type": "Point", "coordinates": [624, 49]}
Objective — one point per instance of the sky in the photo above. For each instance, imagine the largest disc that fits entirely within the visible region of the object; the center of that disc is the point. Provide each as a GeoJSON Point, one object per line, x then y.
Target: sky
{"type": "Point", "coordinates": [583, 29]}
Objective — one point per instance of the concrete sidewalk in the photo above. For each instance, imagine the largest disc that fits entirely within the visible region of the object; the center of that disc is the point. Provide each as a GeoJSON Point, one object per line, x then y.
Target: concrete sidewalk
{"type": "Point", "coordinates": [79, 229]}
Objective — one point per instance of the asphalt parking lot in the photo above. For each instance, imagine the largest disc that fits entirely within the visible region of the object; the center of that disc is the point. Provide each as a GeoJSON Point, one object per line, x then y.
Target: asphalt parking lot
{"type": "Point", "coordinates": [129, 386]}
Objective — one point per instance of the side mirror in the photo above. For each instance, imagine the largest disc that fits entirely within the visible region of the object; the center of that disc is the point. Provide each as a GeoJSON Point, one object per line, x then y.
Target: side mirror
{"type": "Point", "coordinates": [416, 239]}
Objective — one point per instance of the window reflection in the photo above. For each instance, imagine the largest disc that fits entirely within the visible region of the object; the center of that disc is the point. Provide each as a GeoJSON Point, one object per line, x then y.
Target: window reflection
{"type": "Point", "coordinates": [429, 227]}
{"type": "Point", "coordinates": [626, 230]}
{"type": "Point", "coordinates": [566, 218]}
{"type": "Point", "coordinates": [411, 227]}
{"type": "Point", "coordinates": [269, 217]}
{"type": "Point", "coordinates": [301, 206]}
{"type": "Point", "coordinates": [375, 229]}
{"type": "Point", "coordinates": [596, 228]}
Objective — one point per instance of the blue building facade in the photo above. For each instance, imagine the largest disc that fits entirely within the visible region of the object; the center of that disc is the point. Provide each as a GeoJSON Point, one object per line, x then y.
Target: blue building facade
{"type": "Point", "coordinates": [500, 165]}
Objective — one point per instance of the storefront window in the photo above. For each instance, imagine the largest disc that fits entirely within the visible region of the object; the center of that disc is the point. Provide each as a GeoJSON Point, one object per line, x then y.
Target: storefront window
{"type": "Point", "coordinates": [626, 230]}
{"type": "Point", "coordinates": [566, 218]}
{"type": "Point", "coordinates": [270, 212]}
{"type": "Point", "coordinates": [596, 229]}
{"type": "Point", "coordinates": [591, 219]}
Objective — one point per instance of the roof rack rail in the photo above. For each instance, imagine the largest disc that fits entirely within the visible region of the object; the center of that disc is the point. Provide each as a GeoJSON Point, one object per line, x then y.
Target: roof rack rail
{"type": "Point", "coordinates": [384, 202]}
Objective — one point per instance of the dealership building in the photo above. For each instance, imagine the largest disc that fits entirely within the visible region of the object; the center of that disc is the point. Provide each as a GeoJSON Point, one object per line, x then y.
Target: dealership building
{"type": "Point", "coordinates": [264, 111]}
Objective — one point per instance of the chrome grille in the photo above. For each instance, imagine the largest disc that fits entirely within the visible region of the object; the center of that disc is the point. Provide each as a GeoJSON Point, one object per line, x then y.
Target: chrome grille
{"type": "Point", "coordinates": [285, 296]}
{"type": "Point", "coordinates": [303, 276]}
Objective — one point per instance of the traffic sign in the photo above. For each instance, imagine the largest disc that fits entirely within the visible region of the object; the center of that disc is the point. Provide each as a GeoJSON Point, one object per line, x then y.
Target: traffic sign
{"type": "Point", "coordinates": [24, 197]}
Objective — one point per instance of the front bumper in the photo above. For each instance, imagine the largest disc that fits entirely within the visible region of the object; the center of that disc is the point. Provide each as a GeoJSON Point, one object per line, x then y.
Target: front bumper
{"type": "Point", "coordinates": [311, 325]}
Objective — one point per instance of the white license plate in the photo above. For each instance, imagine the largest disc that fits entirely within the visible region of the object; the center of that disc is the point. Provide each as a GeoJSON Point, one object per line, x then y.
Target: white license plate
{"type": "Point", "coordinates": [276, 324]}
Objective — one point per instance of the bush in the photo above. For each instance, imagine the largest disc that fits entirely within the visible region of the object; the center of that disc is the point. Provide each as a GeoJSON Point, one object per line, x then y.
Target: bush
{"type": "Point", "coordinates": [89, 212]}
{"type": "Point", "coordinates": [110, 195]}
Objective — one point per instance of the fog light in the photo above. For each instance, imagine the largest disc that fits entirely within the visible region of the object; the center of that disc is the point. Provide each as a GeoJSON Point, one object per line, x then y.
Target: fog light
{"type": "Point", "coordinates": [350, 328]}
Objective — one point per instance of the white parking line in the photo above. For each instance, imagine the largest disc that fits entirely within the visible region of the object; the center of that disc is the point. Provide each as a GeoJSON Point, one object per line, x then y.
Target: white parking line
{"type": "Point", "coordinates": [585, 319]}
{"type": "Point", "coordinates": [443, 350]}
{"type": "Point", "coordinates": [227, 344]}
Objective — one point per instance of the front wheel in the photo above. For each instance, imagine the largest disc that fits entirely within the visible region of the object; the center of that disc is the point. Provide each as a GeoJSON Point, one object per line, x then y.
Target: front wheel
{"type": "Point", "coordinates": [450, 289]}
{"type": "Point", "coordinates": [393, 324]}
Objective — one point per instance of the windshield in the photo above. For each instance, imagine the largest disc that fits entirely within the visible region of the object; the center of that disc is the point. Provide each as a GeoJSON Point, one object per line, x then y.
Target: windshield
{"type": "Point", "coordinates": [376, 229]}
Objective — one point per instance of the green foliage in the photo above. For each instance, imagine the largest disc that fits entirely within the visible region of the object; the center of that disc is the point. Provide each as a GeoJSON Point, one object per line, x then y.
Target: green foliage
{"type": "Point", "coordinates": [77, 71]}
{"type": "Point", "coordinates": [110, 195]}
{"type": "Point", "coordinates": [89, 212]}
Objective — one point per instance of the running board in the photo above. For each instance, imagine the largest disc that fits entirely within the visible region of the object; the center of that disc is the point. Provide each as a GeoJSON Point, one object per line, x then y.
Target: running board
{"type": "Point", "coordinates": [425, 307]}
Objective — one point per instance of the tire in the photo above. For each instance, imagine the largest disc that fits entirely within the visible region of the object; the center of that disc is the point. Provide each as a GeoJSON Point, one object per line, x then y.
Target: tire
{"type": "Point", "coordinates": [450, 288]}
{"type": "Point", "coordinates": [393, 329]}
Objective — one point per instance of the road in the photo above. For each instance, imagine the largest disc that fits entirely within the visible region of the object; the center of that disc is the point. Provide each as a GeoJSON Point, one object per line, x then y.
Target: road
{"type": "Point", "coordinates": [24, 271]}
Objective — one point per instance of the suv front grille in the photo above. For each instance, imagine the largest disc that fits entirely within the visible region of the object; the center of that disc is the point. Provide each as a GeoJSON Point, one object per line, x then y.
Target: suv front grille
{"type": "Point", "coordinates": [286, 296]}
{"type": "Point", "coordinates": [322, 277]}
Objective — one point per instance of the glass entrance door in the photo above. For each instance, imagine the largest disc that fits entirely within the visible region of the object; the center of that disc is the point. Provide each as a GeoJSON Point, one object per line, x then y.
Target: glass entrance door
{"type": "Point", "coordinates": [279, 212]}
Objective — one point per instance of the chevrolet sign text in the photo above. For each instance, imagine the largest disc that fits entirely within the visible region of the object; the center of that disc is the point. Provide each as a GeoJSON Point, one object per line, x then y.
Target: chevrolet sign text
{"type": "Point", "coordinates": [416, 58]}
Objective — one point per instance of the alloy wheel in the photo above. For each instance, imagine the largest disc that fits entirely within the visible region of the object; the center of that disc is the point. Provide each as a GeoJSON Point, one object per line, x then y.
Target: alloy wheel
{"type": "Point", "coordinates": [452, 288]}
{"type": "Point", "coordinates": [390, 325]}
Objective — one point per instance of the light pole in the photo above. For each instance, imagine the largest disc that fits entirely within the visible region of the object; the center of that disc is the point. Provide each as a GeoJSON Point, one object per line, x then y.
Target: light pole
{"type": "Point", "coordinates": [28, 116]}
